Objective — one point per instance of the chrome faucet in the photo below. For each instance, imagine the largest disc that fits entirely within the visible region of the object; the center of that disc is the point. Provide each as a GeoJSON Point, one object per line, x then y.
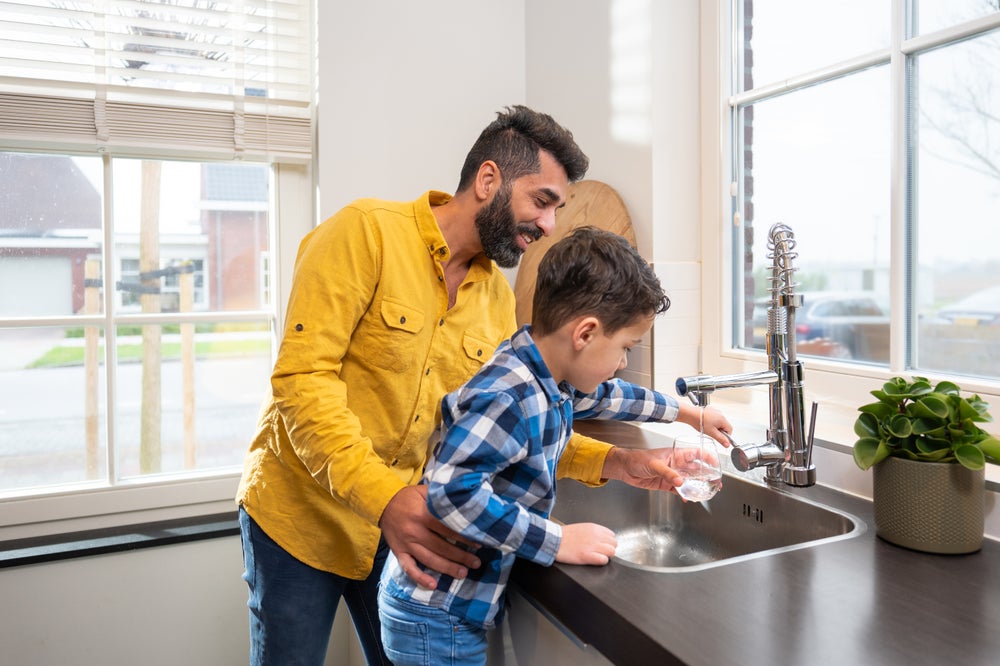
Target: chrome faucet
{"type": "Point", "coordinates": [787, 453]}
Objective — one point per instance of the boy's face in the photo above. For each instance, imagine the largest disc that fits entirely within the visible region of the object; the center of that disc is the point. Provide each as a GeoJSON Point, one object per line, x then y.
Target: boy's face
{"type": "Point", "coordinates": [607, 354]}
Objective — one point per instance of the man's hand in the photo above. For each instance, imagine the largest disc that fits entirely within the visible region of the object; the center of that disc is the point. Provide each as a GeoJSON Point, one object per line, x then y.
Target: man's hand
{"type": "Point", "coordinates": [414, 535]}
{"type": "Point", "coordinates": [643, 468]}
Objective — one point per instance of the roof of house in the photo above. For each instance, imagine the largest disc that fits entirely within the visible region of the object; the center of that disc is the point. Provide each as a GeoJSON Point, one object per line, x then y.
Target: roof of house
{"type": "Point", "coordinates": [45, 193]}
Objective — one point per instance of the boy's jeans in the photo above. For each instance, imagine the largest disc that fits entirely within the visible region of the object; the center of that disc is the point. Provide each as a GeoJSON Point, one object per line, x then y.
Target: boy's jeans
{"type": "Point", "coordinates": [417, 635]}
{"type": "Point", "coordinates": [292, 605]}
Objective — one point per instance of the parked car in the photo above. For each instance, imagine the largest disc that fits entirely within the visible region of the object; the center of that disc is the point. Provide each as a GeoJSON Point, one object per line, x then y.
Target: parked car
{"type": "Point", "coordinates": [851, 325]}
{"type": "Point", "coordinates": [981, 308]}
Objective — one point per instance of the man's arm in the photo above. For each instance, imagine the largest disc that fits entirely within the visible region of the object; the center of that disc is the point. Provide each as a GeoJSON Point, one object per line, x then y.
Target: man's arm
{"type": "Point", "coordinates": [593, 462]}
{"type": "Point", "coordinates": [311, 396]}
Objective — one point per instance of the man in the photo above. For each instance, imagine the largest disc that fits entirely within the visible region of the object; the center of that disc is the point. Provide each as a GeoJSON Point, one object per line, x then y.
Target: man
{"type": "Point", "coordinates": [393, 305]}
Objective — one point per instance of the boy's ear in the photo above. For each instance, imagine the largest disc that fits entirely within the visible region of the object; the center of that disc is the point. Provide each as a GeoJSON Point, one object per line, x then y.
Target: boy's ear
{"type": "Point", "coordinates": [585, 330]}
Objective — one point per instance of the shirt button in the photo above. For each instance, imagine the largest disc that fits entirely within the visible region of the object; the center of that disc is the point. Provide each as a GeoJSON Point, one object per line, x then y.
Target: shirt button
{"type": "Point", "coordinates": [299, 327]}
{"type": "Point", "coordinates": [441, 323]}
{"type": "Point", "coordinates": [440, 278]}
{"type": "Point", "coordinates": [416, 418]}
{"type": "Point", "coordinates": [479, 352]}
{"type": "Point", "coordinates": [441, 252]}
{"type": "Point", "coordinates": [402, 320]}
{"type": "Point", "coordinates": [428, 371]}
{"type": "Point", "coordinates": [395, 462]}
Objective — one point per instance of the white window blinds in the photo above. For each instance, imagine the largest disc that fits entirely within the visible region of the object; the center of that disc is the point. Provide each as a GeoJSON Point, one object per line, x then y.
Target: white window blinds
{"type": "Point", "coordinates": [197, 78]}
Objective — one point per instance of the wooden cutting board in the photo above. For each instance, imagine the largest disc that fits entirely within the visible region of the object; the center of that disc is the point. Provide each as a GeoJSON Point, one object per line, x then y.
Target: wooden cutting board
{"type": "Point", "coordinates": [588, 203]}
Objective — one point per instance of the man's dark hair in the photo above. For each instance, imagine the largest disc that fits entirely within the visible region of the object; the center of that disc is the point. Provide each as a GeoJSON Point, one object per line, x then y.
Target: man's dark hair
{"type": "Point", "coordinates": [513, 141]}
{"type": "Point", "coordinates": [596, 273]}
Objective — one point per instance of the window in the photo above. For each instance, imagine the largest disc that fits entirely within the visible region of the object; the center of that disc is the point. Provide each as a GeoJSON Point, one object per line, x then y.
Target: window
{"type": "Point", "coordinates": [883, 157]}
{"type": "Point", "coordinates": [145, 148]}
{"type": "Point", "coordinates": [871, 133]}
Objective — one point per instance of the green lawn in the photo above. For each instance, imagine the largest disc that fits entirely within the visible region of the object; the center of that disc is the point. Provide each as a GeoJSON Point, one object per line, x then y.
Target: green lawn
{"type": "Point", "coordinates": [73, 355]}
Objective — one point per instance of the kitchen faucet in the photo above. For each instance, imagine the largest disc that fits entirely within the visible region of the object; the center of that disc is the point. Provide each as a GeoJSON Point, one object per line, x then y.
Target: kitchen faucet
{"type": "Point", "coordinates": [787, 453]}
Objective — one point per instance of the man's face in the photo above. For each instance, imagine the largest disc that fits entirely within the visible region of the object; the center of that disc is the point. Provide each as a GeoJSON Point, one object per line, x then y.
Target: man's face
{"type": "Point", "coordinates": [521, 212]}
{"type": "Point", "coordinates": [498, 232]}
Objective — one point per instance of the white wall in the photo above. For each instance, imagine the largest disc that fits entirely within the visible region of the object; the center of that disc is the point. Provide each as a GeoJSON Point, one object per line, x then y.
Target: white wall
{"type": "Point", "coordinates": [623, 76]}
{"type": "Point", "coordinates": [405, 89]}
{"type": "Point", "coordinates": [180, 604]}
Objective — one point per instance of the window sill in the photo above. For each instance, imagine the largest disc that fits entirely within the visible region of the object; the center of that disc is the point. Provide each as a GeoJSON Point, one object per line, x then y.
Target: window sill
{"type": "Point", "coordinates": [36, 550]}
{"type": "Point", "coordinates": [77, 509]}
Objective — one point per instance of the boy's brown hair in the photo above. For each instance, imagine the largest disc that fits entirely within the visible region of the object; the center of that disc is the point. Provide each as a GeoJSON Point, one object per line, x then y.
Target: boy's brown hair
{"type": "Point", "coordinates": [594, 272]}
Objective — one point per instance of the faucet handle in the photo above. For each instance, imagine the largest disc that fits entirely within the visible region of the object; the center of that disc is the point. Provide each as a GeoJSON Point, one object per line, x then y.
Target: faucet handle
{"type": "Point", "coordinates": [699, 398]}
{"type": "Point", "coordinates": [751, 456]}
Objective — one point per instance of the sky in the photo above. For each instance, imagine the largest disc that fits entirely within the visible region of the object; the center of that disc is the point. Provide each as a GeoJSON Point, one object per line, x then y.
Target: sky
{"type": "Point", "coordinates": [179, 199]}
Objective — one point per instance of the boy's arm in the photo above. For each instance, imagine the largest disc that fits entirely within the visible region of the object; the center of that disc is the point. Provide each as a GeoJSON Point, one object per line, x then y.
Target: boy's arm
{"type": "Point", "coordinates": [490, 434]}
{"type": "Point", "coordinates": [619, 400]}
{"type": "Point", "coordinates": [593, 462]}
{"type": "Point", "coordinates": [585, 458]}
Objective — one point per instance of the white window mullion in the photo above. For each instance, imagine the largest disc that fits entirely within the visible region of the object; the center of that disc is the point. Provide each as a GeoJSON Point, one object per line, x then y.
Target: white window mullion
{"type": "Point", "coordinates": [110, 330]}
{"type": "Point", "coordinates": [900, 332]}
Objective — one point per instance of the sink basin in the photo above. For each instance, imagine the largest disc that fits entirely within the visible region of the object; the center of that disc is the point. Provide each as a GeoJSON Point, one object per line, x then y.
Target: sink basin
{"type": "Point", "coordinates": [658, 531]}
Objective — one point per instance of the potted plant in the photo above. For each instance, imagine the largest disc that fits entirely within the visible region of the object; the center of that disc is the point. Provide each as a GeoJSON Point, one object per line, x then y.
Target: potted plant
{"type": "Point", "coordinates": [928, 455]}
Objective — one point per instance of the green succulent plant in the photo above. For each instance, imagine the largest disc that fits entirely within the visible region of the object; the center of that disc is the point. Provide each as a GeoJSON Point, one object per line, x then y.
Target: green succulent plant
{"type": "Point", "coordinates": [918, 421]}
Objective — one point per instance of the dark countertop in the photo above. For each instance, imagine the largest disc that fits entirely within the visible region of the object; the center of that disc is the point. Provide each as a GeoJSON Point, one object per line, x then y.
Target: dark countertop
{"type": "Point", "coordinates": [855, 601]}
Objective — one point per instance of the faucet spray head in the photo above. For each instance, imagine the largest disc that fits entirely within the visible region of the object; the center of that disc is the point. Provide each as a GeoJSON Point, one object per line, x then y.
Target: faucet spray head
{"type": "Point", "coordinates": [695, 388]}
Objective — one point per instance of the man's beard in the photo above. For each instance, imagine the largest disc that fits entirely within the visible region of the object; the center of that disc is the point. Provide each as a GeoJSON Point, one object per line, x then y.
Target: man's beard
{"type": "Point", "coordinates": [498, 231]}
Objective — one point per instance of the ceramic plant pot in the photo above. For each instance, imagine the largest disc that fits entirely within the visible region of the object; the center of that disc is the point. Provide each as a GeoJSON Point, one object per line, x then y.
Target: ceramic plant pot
{"type": "Point", "coordinates": [929, 506]}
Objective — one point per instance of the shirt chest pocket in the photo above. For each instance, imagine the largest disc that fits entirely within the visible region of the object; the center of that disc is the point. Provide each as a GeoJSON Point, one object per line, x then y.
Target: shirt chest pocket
{"type": "Point", "coordinates": [393, 342]}
{"type": "Point", "coordinates": [476, 348]}
{"type": "Point", "coordinates": [477, 351]}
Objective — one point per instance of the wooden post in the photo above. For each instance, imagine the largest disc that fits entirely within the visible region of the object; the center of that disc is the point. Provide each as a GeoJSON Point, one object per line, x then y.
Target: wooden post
{"type": "Point", "coordinates": [91, 362]}
{"type": "Point", "coordinates": [187, 364]}
{"type": "Point", "coordinates": [150, 455]}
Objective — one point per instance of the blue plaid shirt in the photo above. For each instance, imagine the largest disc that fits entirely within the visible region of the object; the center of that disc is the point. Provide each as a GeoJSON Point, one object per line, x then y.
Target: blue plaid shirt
{"type": "Point", "coordinates": [492, 475]}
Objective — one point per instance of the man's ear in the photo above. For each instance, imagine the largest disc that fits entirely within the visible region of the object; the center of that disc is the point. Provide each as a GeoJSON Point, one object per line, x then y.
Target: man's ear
{"type": "Point", "coordinates": [488, 180]}
{"type": "Point", "coordinates": [585, 330]}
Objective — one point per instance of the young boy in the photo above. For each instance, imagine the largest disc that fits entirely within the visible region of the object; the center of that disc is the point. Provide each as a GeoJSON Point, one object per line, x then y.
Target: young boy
{"type": "Point", "coordinates": [492, 475]}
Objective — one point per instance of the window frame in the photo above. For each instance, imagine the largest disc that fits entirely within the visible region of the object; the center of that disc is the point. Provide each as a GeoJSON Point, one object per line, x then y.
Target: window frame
{"type": "Point", "coordinates": [118, 121]}
{"type": "Point", "coordinates": [838, 387]}
{"type": "Point", "coordinates": [93, 505]}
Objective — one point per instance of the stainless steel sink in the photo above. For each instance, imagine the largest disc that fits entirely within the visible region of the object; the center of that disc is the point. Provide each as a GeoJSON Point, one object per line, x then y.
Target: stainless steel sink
{"type": "Point", "coordinates": [658, 531]}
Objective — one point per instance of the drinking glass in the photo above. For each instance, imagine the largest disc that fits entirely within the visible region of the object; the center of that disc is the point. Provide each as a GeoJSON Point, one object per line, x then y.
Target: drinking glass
{"type": "Point", "coordinates": [696, 458]}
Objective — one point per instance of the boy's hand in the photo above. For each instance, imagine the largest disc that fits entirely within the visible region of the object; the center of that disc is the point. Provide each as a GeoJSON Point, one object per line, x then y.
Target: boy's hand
{"type": "Point", "coordinates": [586, 543]}
{"type": "Point", "coordinates": [714, 422]}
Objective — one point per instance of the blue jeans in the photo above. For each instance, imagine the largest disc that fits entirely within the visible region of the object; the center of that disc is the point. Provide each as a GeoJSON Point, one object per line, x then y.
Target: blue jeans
{"type": "Point", "coordinates": [292, 605]}
{"type": "Point", "coordinates": [417, 635]}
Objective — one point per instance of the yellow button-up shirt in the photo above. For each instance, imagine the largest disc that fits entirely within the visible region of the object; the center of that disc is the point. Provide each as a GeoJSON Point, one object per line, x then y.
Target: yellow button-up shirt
{"type": "Point", "coordinates": [370, 347]}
